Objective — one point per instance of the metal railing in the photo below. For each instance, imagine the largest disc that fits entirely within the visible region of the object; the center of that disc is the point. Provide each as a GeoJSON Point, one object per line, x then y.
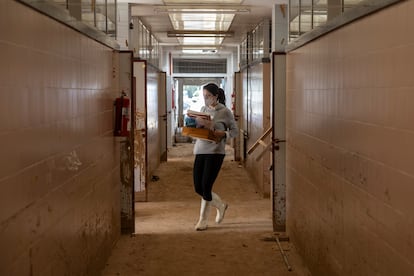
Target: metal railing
{"type": "Point", "coordinates": [94, 18]}
{"type": "Point", "coordinates": [309, 19]}
{"type": "Point", "coordinates": [143, 42]}
{"type": "Point", "coordinates": [100, 14]}
{"type": "Point", "coordinates": [256, 46]}
{"type": "Point", "coordinates": [305, 15]}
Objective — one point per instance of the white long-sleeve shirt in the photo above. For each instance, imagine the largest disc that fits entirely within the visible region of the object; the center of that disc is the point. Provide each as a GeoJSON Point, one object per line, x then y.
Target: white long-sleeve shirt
{"type": "Point", "coordinates": [223, 120]}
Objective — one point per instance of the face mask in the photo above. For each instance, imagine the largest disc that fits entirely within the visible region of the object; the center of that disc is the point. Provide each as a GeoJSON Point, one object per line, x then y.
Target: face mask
{"type": "Point", "coordinates": [208, 101]}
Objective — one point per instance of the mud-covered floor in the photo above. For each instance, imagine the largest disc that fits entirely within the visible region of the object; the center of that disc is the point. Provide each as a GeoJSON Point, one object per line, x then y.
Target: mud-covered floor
{"type": "Point", "coordinates": [167, 244]}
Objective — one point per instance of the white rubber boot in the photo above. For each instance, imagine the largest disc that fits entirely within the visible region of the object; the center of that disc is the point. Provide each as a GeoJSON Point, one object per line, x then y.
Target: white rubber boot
{"type": "Point", "coordinates": [204, 212]}
{"type": "Point", "coordinates": [220, 206]}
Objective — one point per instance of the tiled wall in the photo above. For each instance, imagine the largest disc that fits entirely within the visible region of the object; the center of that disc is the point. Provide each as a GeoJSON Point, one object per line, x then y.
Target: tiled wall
{"type": "Point", "coordinates": [59, 163]}
{"type": "Point", "coordinates": [256, 110]}
{"type": "Point", "coordinates": [350, 123]}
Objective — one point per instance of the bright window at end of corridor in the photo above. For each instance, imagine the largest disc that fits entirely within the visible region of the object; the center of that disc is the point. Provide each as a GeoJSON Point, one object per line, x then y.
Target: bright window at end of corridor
{"type": "Point", "coordinates": [192, 98]}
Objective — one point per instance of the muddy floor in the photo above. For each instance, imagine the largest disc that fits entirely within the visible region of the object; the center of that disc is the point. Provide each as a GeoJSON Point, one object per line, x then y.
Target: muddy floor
{"type": "Point", "coordinates": [166, 243]}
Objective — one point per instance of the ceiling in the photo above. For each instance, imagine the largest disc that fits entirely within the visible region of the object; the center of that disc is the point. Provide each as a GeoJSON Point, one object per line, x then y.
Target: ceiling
{"type": "Point", "coordinates": [222, 23]}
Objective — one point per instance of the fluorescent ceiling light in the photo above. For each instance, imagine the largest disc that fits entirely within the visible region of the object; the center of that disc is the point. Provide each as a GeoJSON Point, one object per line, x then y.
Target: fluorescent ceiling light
{"type": "Point", "coordinates": [212, 22]}
{"type": "Point", "coordinates": [202, 24]}
{"type": "Point", "coordinates": [204, 1]}
{"type": "Point", "coordinates": [200, 40]}
{"type": "Point", "coordinates": [198, 51]}
{"type": "Point", "coordinates": [197, 33]}
{"type": "Point", "coordinates": [198, 47]}
{"type": "Point", "coordinates": [216, 9]}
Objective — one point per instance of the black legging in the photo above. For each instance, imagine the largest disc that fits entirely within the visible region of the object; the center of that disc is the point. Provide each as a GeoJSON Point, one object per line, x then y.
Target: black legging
{"type": "Point", "coordinates": [205, 171]}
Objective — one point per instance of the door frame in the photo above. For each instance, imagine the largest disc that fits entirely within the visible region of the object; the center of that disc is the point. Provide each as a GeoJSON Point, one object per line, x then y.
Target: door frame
{"type": "Point", "coordinates": [162, 115]}
{"type": "Point", "coordinates": [127, 207]}
{"type": "Point", "coordinates": [278, 189]}
{"type": "Point", "coordinates": [140, 131]}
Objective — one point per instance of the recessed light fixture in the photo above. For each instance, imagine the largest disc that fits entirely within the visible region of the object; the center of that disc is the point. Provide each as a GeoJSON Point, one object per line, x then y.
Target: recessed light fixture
{"type": "Point", "coordinates": [218, 9]}
{"type": "Point", "coordinates": [198, 33]}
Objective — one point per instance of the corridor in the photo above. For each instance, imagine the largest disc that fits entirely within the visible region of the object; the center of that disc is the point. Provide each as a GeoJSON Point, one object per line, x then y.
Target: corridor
{"type": "Point", "coordinates": [331, 79]}
{"type": "Point", "coordinates": [166, 243]}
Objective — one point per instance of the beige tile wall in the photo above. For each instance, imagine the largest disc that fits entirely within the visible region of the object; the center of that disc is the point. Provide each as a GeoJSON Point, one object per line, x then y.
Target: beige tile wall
{"type": "Point", "coordinates": [256, 113]}
{"type": "Point", "coordinates": [350, 178]}
{"type": "Point", "coordinates": [59, 164]}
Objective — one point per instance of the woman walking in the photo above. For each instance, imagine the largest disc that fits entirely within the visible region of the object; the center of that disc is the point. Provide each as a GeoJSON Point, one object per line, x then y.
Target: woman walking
{"type": "Point", "coordinates": [209, 155]}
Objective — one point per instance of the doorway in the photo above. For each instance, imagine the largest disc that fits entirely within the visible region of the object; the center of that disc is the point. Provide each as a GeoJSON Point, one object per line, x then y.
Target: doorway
{"type": "Point", "coordinates": [189, 96]}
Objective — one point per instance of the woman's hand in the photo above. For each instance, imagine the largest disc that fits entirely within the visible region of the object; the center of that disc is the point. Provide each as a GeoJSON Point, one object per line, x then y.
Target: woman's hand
{"type": "Point", "coordinates": [203, 123]}
{"type": "Point", "coordinates": [219, 135]}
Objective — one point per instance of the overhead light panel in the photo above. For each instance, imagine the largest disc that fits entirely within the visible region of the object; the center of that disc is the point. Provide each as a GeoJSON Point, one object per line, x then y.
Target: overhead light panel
{"type": "Point", "coordinates": [200, 40]}
{"type": "Point", "coordinates": [197, 33]}
{"type": "Point", "coordinates": [203, 9]}
{"type": "Point", "coordinates": [202, 21]}
{"type": "Point", "coordinates": [198, 47]}
{"type": "Point", "coordinates": [199, 51]}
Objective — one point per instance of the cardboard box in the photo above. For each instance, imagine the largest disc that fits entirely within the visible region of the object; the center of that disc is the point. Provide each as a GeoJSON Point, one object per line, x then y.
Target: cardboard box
{"type": "Point", "coordinates": [199, 133]}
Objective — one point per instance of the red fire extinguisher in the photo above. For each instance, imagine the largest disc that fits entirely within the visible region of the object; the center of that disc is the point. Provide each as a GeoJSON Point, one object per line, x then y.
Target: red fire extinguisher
{"type": "Point", "coordinates": [122, 116]}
